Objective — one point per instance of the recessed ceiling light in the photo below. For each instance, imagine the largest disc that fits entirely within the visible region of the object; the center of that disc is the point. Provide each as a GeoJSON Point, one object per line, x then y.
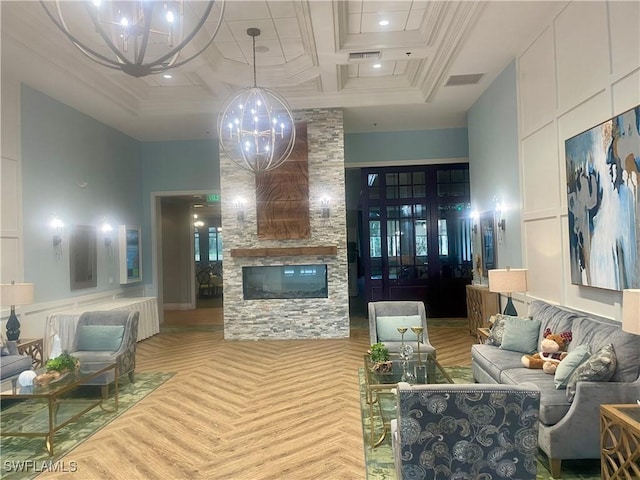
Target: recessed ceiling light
{"type": "Point", "coordinates": [377, 65]}
{"type": "Point", "coordinates": [383, 23]}
{"type": "Point", "coordinates": [167, 75]}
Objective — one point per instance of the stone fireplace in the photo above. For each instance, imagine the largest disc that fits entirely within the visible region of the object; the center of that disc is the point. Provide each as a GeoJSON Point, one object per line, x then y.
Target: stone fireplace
{"type": "Point", "coordinates": [310, 310]}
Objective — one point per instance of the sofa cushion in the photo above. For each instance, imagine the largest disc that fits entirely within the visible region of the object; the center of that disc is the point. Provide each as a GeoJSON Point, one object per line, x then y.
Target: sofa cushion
{"type": "Point", "coordinates": [493, 360]}
{"type": "Point", "coordinates": [106, 338]}
{"type": "Point", "coordinates": [598, 368]}
{"type": "Point", "coordinates": [520, 335]}
{"type": "Point", "coordinates": [14, 365]}
{"type": "Point", "coordinates": [387, 327]}
{"type": "Point", "coordinates": [496, 331]}
{"type": "Point", "coordinates": [553, 403]}
{"type": "Point", "coordinates": [598, 332]}
{"type": "Point", "coordinates": [573, 360]}
{"type": "Point", "coordinates": [553, 317]}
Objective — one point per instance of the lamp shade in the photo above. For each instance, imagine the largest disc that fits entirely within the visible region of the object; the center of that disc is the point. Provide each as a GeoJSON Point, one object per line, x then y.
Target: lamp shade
{"type": "Point", "coordinates": [508, 280]}
{"type": "Point", "coordinates": [16, 294]}
{"type": "Point", "coordinates": [631, 311]}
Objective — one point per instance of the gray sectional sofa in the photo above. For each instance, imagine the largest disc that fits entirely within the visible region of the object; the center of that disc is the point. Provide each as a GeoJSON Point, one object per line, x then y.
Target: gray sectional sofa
{"type": "Point", "coordinates": [568, 429]}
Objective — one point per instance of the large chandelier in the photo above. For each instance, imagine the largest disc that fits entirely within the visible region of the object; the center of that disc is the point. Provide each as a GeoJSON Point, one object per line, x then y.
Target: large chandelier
{"type": "Point", "coordinates": [256, 127]}
{"type": "Point", "coordinates": [138, 37]}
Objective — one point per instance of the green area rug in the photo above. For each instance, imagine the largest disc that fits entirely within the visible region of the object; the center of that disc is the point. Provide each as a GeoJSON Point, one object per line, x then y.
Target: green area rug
{"type": "Point", "coordinates": [379, 460]}
{"type": "Point", "coordinates": [32, 452]}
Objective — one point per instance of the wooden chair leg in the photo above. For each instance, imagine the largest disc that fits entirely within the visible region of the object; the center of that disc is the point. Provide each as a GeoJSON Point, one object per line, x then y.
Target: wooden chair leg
{"type": "Point", "coordinates": [554, 465]}
{"type": "Point", "coordinates": [105, 391]}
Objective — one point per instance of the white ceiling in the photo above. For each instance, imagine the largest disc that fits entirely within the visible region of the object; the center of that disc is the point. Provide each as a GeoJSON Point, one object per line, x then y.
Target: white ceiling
{"type": "Point", "coordinates": [302, 52]}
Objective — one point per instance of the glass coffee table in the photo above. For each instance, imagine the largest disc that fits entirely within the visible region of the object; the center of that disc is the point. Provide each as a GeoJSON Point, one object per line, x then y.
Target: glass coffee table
{"type": "Point", "coordinates": [380, 385]}
{"type": "Point", "coordinates": [58, 405]}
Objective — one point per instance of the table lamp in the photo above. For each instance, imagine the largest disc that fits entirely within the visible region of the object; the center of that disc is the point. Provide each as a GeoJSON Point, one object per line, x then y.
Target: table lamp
{"type": "Point", "coordinates": [508, 280]}
{"type": "Point", "coordinates": [15, 294]}
{"type": "Point", "coordinates": [631, 311]}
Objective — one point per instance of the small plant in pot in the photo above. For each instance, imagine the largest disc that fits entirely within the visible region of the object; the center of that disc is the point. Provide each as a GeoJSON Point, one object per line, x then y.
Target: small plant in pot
{"type": "Point", "coordinates": [65, 362]}
{"type": "Point", "coordinates": [380, 357]}
{"type": "Point", "coordinates": [57, 367]}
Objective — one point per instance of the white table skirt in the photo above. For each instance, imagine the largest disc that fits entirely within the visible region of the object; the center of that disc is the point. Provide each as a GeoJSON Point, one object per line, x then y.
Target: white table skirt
{"type": "Point", "coordinates": [64, 323]}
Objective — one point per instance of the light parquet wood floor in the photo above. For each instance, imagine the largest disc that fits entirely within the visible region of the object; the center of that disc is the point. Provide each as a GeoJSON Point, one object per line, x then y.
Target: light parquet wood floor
{"type": "Point", "coordinates": [244, 410]}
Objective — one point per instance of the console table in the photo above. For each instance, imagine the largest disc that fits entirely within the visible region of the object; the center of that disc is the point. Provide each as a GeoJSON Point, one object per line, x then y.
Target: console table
{"type": "Point", "coordinates": [481, 304]}
{"type": "Point", "coordinates": [620, 441]}
{"type": "Point", "coordinates": [64, 323]}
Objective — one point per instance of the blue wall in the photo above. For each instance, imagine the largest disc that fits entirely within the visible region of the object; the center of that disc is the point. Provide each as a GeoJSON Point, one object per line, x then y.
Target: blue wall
{"type": "Point", "coordinates": [62, 149]}
{"type": "Point", "coordinates": [176, 166]}
{"type": "Point", "coordinates": [493, 160]}
{"type": "Point", "coordinates": [402, 146]}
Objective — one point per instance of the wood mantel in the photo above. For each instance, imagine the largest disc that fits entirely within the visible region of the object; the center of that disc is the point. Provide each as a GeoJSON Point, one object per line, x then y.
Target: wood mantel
{"type": "Point", "coordinates": [284, 251]}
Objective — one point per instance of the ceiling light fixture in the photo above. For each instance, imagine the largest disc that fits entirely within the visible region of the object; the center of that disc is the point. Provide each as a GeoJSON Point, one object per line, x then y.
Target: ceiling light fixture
{"type": "Point", "coordinates": [377, 65]}
{"type": "Point", "coordinates": [256, 127]}
{"type": "Point", "coordinates": [138, 37]}
{"type": "Point", "coordinates": [383, 23]}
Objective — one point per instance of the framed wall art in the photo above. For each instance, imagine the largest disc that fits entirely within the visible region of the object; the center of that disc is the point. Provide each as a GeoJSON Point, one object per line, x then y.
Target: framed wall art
{"type": "Point", "coordinates": [130, 248]}
{"type": "Point", "coordinates": [603, 203]}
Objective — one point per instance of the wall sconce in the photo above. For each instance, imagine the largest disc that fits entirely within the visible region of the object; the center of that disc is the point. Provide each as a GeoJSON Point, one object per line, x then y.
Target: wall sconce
{"type": "Point", "coordinates": [500, 221]}
{"type": "Point", "coordinates": [106, 230]}
{"type": "Point", "coordinates": [474, 221]}
{"type": "Point", "coordinates": [57, 226]}
{"type": "Point", "coordinates": [198, 223]}
{"type": "Point", "coordinates": [239, 204]}
{"type": "Point", "coordinates": [325, 207]}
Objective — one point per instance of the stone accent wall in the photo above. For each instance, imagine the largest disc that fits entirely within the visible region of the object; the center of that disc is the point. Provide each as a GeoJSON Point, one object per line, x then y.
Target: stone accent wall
{"type": "Point", "coordinates": [297, 318]}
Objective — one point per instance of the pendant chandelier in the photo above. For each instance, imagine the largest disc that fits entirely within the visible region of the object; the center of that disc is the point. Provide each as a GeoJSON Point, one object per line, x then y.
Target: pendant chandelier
{"type": "Point", "coordinates": [256, 127]}
{"type": "Point", "coordinates": [140, 37]}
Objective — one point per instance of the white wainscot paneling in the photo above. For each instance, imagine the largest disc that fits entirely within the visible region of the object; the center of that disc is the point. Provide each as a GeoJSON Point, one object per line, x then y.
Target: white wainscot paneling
{"type": "Point", "coordinates": [541, 187]}
{"type": "Point", "coordinates": [9, 204]}
{"type": "Point", "coordinates": [582, 46]}
{"type": "Point", "coordinates": [595, 300]}
{"type": "Point", "coordinates": [536, 84]}
{"type": "Point", "coordinates": [10, 92]}
{"type": "Point", "coordinates": [624, 21]}
{"type": "Point", "coordinates": [543, 242]}
{"type": "Point", "coordinates": [9, 254]}
{"type": "Point", "coordinates": [626, 93]}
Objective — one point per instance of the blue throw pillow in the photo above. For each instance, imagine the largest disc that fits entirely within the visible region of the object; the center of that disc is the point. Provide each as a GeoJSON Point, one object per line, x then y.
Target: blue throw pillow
{"type": "Point", "coordinates": [520, 335]}
{"type": "Point", "coordinates": [100, 338]}
{"type": "Point", "coordinates": [566, 367]}
{"type": "Point", "coordinates": [387, 327]}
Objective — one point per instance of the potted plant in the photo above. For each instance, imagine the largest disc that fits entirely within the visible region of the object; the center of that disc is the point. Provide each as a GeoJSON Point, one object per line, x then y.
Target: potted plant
{"type": "Point", "coordinates": [379, 355]}
{"type": "Point", "coordinates": [57, 367]}
{"type": "Point", "coordinates": [65, 362]}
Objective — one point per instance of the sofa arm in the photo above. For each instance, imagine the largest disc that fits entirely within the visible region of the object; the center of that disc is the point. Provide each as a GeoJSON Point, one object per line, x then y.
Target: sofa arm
{"type": "Point", "coordinates": [582, 421]}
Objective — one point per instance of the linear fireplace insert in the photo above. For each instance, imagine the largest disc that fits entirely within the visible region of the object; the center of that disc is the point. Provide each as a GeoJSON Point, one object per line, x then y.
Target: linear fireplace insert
{"type": "Point", "coordinates": [284, 281]}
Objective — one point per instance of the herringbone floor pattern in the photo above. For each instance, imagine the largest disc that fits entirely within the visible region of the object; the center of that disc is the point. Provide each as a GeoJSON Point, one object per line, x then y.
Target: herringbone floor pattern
{"type": "Point", "coordinates": [244, 410]}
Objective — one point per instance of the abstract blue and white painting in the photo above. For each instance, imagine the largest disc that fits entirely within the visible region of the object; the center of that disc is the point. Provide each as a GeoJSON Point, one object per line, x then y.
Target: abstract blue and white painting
{"type": "Point", "coordinates": [603, 166]}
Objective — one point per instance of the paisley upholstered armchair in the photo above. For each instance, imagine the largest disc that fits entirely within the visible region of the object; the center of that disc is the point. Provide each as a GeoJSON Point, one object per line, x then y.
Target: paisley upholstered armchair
{"type": "Point", "coordinates": [103, 338]}
{"type": "Point", "coordinates": [466, 431]}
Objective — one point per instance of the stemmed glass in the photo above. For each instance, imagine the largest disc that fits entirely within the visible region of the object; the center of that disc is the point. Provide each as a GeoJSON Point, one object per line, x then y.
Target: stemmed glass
{"type": "Point", "coordinates": [418, 331]}
{"type": "Point", "coordinates": [405, 353]}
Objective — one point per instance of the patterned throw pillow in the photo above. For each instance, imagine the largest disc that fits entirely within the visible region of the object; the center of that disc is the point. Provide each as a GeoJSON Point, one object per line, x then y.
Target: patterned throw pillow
{"type": "Point", "coordinates": [600, 367]}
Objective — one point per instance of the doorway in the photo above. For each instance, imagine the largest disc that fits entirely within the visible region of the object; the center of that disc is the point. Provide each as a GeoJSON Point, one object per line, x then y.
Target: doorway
{"type": "Point", "coordinates": [416, 236]}
{"type": "Point", "coordinates": [185, 224]}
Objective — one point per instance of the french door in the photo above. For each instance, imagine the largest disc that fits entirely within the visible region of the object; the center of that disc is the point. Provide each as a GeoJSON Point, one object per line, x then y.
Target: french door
{"type": "Point", "coordinates": [417, 236]}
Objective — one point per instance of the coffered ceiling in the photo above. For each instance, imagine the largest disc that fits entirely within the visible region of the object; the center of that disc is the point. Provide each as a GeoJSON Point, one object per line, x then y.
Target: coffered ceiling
{"type": "Point", "coordinates": [435, 59]}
